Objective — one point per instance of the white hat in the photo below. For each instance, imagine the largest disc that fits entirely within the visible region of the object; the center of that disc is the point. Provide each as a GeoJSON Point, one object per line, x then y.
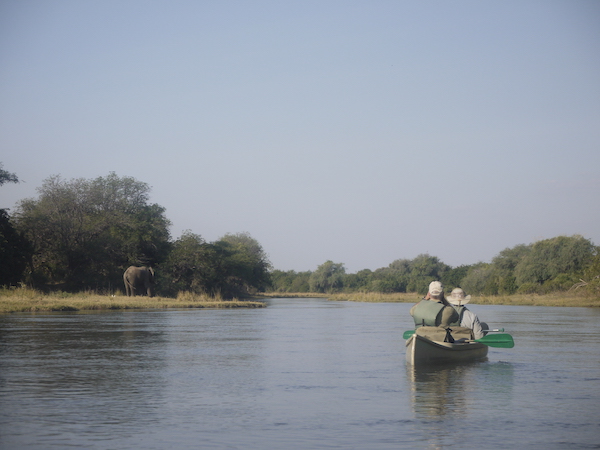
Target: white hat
{"type": "Point", "coordinates": [457, 297]}
{"type": "Point", "coordinates": [436, 288]}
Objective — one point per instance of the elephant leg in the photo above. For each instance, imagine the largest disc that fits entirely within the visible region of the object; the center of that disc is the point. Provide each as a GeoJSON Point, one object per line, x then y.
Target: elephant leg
{"type": "Point", "coordinates": [129, 289]}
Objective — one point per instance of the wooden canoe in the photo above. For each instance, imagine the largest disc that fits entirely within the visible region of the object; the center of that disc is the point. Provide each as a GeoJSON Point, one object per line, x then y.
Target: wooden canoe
{"type": "Point", "coordinates": [421, 350]}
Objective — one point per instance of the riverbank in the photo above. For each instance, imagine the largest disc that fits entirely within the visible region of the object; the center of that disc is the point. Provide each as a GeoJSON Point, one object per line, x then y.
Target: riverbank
{"type": "Point", "coordinates": [555, 299]}
{"type": "Point", "coordinates": [29, 300]}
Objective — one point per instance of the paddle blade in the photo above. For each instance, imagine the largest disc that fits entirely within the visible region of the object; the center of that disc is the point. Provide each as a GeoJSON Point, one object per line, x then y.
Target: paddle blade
{"type": "Point", "coordinates": [497, 340]}
{"type": "Point", "coordinates": [408, 333]}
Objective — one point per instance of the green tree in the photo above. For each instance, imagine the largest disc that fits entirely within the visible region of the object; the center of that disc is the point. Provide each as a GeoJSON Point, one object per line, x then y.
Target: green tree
{"type": "Point", "coordinates": [590, 281]}
{"type": "Point", "coordinates": [550, 257]}
{"type": "Point", "coordinates": [15, 250]}
{"type": "Point", "coordinates": [453, 277]}
{"type": "Point", "coordinates": [359, 281]}
{"type": "Point", "coordinates": [234, 266]}
{"type": "Point", "coordinates": [479, 279]}
{"type": "Point", "coordinates": [301, 282]}
{"type": "Point", "coordinates": [246, 264]}
{"type": "Point", "coordinates": [504, 265]}
{"type": "Point", "coordinates": [290, 281]}
{"type": "Point", "coordinates": [329, 277]}
{"type": "Point", "coordinates": [393, 278]}
{"type": "Point", "coordinates": [86, 232]}
{"type": "Point", "coordinates": [423, 270]}
{"type": "Point", "coordinates": [188, 266]}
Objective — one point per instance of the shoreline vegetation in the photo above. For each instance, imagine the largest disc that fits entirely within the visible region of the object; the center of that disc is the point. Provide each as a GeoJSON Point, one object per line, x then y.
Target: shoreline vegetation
{"type": "Point", "coordinates": [30, 300]}
{"type": "Point", "coordinates": [569, 299]}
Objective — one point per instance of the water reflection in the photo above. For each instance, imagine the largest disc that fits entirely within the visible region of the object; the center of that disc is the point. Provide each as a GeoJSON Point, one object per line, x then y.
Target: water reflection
{"type": "Point", "coordinates": [447, 390]}
{"type": "Point", "coordinates": [437, 390]}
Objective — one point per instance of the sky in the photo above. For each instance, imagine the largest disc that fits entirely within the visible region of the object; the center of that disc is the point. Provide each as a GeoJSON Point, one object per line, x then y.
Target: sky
{"type": "Point", "coordinates": [359, 132]}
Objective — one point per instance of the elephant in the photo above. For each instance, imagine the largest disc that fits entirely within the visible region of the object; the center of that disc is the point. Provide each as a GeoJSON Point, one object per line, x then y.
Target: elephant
{"type": "Point", "coordinates": [139, 281]}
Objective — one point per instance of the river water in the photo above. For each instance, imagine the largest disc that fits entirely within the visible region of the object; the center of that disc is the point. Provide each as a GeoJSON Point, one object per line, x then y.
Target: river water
{"type": "Point", "coordinates": [299, 374]}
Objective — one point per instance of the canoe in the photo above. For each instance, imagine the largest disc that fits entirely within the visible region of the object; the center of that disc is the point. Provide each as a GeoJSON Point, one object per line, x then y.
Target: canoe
{"type": "Point", "coordinates": [421, 350]}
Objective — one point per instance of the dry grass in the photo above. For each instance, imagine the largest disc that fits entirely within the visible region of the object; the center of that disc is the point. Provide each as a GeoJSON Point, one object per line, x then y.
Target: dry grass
{"type": "Point", "coordinates": [555, 299]}
{"type": "Point", "coordinates": [292, 295]}
{"type": "Point", "coordinates": [30, 300]}
{"type": "Point", "coordinates": [377, 297]}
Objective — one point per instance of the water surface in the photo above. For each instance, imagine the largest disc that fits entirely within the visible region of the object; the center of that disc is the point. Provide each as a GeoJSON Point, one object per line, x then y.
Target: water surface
{"type": "Point", "coordinates": [302, 373]}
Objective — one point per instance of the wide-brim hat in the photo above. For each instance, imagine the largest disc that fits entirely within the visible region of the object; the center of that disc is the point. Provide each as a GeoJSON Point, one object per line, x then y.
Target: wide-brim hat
{"type": "Point", "coordinates": [459, 301]}
{"type": "Point", "coordinates": [457, 297]}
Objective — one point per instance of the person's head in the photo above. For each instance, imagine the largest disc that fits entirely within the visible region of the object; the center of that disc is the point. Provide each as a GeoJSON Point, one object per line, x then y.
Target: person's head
{"type": "Point", "coordinates": [436, 290]}
{"type": "Point", "coordinates": [457, 297]}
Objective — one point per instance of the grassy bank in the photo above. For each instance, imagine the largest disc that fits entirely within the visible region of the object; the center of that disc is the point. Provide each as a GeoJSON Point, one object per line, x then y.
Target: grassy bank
{"type": "Point", "coordinates": [556, 299]}
{"type": "Point", "coordinates": [293, 295]}
{"type": "Point", "coordinates": [29, 300]}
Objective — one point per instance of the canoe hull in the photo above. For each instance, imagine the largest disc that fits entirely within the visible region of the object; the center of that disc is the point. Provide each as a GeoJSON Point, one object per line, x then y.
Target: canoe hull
{"type": "Point", "coordinates": [420, 350]}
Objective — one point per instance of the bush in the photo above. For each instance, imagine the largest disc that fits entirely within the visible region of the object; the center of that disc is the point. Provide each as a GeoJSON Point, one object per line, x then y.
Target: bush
{"type": "Point", "coordinates": [529, 288]}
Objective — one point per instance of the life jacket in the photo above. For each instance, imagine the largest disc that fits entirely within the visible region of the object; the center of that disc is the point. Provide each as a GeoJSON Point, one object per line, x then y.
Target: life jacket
{"type": "Point", "coordinates": [429, 313]}
{"type": "Point", "coordinates": [426, 313]}
{"type": "Point", "coordinates": [460, 309]}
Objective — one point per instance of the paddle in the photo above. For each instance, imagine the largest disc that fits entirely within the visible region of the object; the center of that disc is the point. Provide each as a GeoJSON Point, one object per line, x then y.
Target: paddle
{"type": "Point", "coordinates": [497, 340]}
{"type": "Point", "coordinates": [409, 333]}
{"type": "Point", "coordinates": [492, 340]}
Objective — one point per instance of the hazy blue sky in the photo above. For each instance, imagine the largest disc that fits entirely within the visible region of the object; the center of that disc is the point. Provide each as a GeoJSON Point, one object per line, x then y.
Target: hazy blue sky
{"type": "Point", "coordinates": [355, 131]}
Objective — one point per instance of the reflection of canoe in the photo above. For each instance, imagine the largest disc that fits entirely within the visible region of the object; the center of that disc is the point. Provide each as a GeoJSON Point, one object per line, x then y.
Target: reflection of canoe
{"type": "Point", "coordinates": [420, 349]}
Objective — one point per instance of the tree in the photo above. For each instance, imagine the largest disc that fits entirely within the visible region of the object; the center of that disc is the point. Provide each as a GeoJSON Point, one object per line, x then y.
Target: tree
{"type": "Point", "coordinates": [86, 232]}
{"type": "Point", "coordinates": [453, 277]}
{"type": "Point", "coordinates": [15, 250]}
{"type": "Point", "coordinates": [590, 282]}
{"type": "Point", "coordinates": [234, 266]}
{"type": "Point", "coordinates": [479, 279]}
{"type": "Point", "coordinates": [188, 266]}
{"type": "Point", "coordinates": [246, 263]}
{"type": "Point", "coordinates": [281, 281]}
{"type": "Point", "coordinates": [359, 281]}
{"type": "Point", "coordinates": [7, 177]}
{"type": "Point", "coordinates": [394, 278]}
{"type": "Point", "coordinates": [301, 282]}
{"type": "Point", "coordinates": [423, 270]}
{"type": "Point", "coordinates": [504, 265]}
{"type": "Point", "coordinates": [551, 257]}
{"type": "Point", "coordinates": [290, 281]}
{"type": "Point", "coordinates": [329, 277]}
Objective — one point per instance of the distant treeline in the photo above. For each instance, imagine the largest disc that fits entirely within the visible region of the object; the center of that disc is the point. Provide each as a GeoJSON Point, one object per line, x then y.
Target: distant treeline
{"type": "Point", "coordinates": [82, 234]}
{"type": "Point", "coordinates": [557, 264]}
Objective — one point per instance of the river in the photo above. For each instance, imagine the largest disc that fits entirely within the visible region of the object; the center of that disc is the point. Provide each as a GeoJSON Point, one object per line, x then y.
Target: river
{"type": "Point", "coordinates": [299, 374]}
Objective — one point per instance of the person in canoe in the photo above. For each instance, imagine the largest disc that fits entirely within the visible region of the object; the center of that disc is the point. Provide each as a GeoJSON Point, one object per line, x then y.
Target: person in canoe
{"type": "Point", "coordinates": [434, 310]}
{"type": "Point", "coordinates": [468, 319]}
